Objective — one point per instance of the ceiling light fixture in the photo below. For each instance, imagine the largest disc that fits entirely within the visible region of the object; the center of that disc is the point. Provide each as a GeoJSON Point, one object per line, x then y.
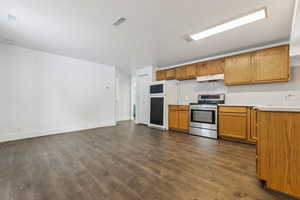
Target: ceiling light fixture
{"type": "Point", "coordinates": [258, 15]}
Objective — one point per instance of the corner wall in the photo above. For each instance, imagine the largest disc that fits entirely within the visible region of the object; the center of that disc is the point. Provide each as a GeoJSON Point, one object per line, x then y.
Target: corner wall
{"type": "Point", "coordinates": [43, 94]}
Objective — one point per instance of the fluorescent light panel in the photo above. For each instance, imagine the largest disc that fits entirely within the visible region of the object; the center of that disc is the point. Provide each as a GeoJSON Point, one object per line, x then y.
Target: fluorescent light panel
{"type": "Point", "coordinates": [258, 15]}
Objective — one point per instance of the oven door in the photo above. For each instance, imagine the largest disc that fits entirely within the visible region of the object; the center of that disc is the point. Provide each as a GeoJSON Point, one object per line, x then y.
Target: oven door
{"type": "Point", "coordinates": [156, 89]}
{"type": "Point", "coordinates": [203, 118]}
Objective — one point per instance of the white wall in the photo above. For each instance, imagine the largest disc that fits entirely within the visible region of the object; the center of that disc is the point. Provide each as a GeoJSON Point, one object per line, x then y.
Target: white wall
{"type": "Point", "coordinates": [287, 93]}
{"type": "Point", "coordinates": [295, 32]}
{"type": "Point", "coordinates": [124, 96]}
{"type": "Point", "coordinates": [43, 94]}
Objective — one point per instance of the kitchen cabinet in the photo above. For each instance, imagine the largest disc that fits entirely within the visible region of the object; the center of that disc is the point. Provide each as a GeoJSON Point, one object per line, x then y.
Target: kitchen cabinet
{"type": "Point", "coordinates": [186, 72]}
{"type": "Point", "coordinates": [271, 65]}
{"type": "Point", "coordinates": [238, 122]}
{"type": "Point", "coordinates": [238, 70]}
{"type": "Point", "coordinates": [191, 71]}
{"type": "Point", "coordinates": [171, 74]}
{"type": "Point", "coordinates": [233, 125]}
{"type": "Point", "coordinates": [202, 69]}
{"type": "Point", "coordinates": [211, 67]}
{"type": "Point", "coordinates": [173, 119]}
{"type": "Point", "coordinates": [161, 75]}
{"type": "Point", "coordinates": [181, 73]}
{"type": "Point", "coordinates": [278, 151]}
{"type": "Point", "coordinates": [216, 66]}
{"type": "Point", "coordinates": [262, 66]}
{"type": "Point", "coordinates": [179, 118]}
{"type": "Point", "coordinates": [253, 123]}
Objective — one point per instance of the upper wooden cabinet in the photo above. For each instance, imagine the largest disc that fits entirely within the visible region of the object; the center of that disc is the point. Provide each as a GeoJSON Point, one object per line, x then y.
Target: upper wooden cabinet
{"type": "Point", "coordinates": [171, 74]}
{"type": "Point", "coordinates": [181, 73]}
{"type": "Point", "coordinates": [272, 64]}
{"type": "Point", "coordinates": [202, 69]}
{"type": "Point", "coordinates": [215, 66]}
{"type": "Point", "coordinates": [263, 66]}
{"type": "Point", "coordinates": [191, 71]}
{"type": "Point", "coordinates": [238, 70]}
{"type": "Point", "coordinates": [186, 72]}
{"type": "Point", "coordinates": [161, 75]}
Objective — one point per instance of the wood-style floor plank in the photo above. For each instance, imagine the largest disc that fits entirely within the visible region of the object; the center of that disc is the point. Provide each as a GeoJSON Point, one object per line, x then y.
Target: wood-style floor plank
{"type": "Point", "coordinates": [129, 162]}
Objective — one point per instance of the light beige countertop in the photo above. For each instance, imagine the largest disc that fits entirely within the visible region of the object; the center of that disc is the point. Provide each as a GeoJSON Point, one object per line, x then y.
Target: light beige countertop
{"type": "Point", "coordinates": [278, 108]}
{"type": "Point", "coordinates": [237, 105]}
{"type": "Point", "coordinates": [273, 108]}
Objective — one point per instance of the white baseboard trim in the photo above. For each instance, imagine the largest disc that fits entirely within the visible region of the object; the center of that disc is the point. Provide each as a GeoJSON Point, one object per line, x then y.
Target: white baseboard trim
{"type": "Point", "coordinates": [39, 133]}
{"type": "Point", "coordinates": [126, 118]}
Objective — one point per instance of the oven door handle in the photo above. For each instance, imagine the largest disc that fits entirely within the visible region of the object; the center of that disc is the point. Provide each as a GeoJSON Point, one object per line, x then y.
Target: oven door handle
{"type": "Point", "coordinates": [203, 109]}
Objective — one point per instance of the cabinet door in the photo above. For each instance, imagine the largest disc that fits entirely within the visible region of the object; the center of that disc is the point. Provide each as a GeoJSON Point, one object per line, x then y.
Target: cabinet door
{"type": "Point", "coordinates": [238, 70]}
{"type": "Point", "coordinates": [279, 151]}
{"type": "Point", "coordinates": [202, 69]}
{"type": "Point", "coordinates": [173, 119]}
{"type": "Point", "coordinates": [191, 71]}
{"type": "Point", "coordinates": [183, 120]}
{"type": "Point", "coordinates": [233, 125]}
{"type": "Point", "coordinates": [216, 66]}
{"type": "Point", "coordinates": [161, 75]}
{"type": "Point", "coordinates": [253, 131]}
{"type": "Point", "coordinates": [271, 64]}
{"type": "Point", "coordinates": [181, 73]}
{"type": "Point", "coordinates": [171, 74]}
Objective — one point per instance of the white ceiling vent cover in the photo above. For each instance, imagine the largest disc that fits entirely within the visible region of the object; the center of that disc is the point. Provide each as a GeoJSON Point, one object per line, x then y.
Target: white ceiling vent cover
{"type": "Point", "coordinates": [119, 21]}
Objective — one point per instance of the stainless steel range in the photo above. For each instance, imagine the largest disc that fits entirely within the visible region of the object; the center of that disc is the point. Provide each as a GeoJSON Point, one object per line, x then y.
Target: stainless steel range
{"type": "Point", "coordinates": [204, 115]}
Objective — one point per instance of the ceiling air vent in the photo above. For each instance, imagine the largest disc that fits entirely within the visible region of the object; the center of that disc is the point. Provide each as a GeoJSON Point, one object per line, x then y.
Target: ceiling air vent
{"type": "Point", "coordinates": [8, 41]}
{"type": "Point", "coordinates": [119, 21]}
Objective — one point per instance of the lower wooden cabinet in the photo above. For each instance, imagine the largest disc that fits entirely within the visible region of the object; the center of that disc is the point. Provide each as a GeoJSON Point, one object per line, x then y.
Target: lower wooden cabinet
{"type": "Point", "coordinates": [238, 123]}
{"type": "Point", "coordinates": [278, 151]}
{"type": "Point", "coordinates": [233, 125]}
{"type": "Point", "coordinates": [179, 118]}
{"type": "Point", "coordinates": [253, 126]}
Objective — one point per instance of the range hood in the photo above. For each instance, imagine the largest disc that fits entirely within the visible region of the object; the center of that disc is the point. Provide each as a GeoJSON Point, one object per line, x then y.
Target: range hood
{"type": "Point", "coordinates": [216, 77]}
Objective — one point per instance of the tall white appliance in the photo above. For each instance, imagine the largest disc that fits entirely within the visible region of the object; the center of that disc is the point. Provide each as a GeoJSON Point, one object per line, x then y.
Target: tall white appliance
{"type": "Point", "coordinates": [162, 94]}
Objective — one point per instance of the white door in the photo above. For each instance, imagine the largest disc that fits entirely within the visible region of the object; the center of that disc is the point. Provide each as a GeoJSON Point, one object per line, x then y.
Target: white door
{"type": "Point", "coordinates": [142, 99]}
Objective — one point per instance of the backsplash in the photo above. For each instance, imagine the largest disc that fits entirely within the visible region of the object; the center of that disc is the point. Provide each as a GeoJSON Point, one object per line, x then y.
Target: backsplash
{"type": "Point", "coordinates": [286, 93]}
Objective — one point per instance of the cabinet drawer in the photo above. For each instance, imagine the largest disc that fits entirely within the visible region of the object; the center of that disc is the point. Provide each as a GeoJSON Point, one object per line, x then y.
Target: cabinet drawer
{"type": "Point", "coordinates": [233, 109]}
{"type": "Point", "coordinates": [185, 108]}
{"type": "Point", "coordinates": [173, 107]}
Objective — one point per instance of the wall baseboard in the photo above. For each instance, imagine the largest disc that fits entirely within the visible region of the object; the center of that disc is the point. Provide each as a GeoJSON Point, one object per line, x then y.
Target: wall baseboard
{"type": "Point", "coordinates": [38, 133]}
{"type": "Point", "coordinates": [124, 118]}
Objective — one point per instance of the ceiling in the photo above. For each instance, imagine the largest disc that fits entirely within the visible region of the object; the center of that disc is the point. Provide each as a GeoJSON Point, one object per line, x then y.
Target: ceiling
{"type": "Point", "coordinates": [152, 34]}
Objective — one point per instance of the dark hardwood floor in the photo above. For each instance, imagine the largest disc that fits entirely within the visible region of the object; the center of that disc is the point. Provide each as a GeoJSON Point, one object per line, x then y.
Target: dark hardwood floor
{"type": "Point", "coordinates": [129, 162]}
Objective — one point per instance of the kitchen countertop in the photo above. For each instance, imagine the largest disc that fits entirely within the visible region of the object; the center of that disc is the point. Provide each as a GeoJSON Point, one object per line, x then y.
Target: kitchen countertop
{"type": "Point", "coordinates": [267, 107]}
{"type": "Point", "coordinates": [278, 108]}
{"type": "Point", "coordinates": [237, 105]}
